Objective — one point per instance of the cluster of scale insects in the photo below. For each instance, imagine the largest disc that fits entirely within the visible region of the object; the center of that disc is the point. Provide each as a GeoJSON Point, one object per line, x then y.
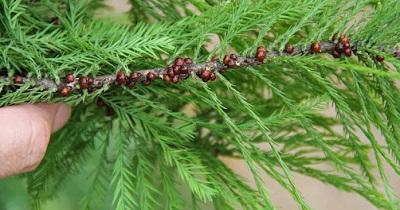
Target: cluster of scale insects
{"type": "Point", "coordinates": [180, 69]}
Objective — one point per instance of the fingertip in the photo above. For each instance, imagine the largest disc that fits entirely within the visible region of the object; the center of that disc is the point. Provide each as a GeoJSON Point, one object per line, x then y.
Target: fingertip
{"type": "Point", "coordinates": [61, 117]}
{"type": "Point", "coordinates": [24, 138]}
{"type": "Point", "coordinates": [56, 114]}
{"type": "Point", "coordinates": [25, 134]}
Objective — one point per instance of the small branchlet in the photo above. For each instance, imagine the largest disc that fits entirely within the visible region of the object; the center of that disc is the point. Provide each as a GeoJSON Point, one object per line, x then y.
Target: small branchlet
{"type": "Point", "coordinates": [182, 68]}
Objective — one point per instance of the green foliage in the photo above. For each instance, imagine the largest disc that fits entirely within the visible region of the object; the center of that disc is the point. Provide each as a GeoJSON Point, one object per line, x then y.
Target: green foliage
{"type": "Point", "coordinates": [161, 144]}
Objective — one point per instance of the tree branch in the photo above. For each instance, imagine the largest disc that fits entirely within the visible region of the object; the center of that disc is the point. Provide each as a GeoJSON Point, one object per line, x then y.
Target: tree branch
{"type": "Point", "coordinates": [182, 68]}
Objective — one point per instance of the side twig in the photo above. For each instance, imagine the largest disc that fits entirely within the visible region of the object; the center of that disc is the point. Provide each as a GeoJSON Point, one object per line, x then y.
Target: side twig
{"type": "Point", "coordinates": [181, 69]}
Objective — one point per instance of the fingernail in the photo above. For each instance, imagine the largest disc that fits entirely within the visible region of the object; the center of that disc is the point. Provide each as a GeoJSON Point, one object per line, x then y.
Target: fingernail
{"type": "Point", "coordinates": [61, 117]}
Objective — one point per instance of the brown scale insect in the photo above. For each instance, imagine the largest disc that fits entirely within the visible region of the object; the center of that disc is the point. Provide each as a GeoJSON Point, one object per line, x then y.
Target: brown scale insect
{"type": "Point", "coordinates": [397, 54]}
{"type": "Point", "coordinates": [170, 72]}
{"type": "Point", "coordinates": [91, 89]}
{"type": "Point", "coordinates": [205, 75]}
{"type": "Point", "coordinates": [226, 60]}
{"type": "Point", "coordinates": [110, 111]}
{"type": "Point", "coordinates": [177, 70]}
{"type": "Point", "coordinates": [343, 39]}
{"type": "Point", "coordinates": [56, 21]}
{"type": "Point", "coordinates": [346, 45]}
{"type": "Point", "coordinates": [338, 47]}
{"type": "Point", "coordinates": [231, 63]}
{"type": "Point", "coordinates": [334, 37]}
{"type": "Point", "coordinates": [65, 90]}
{"type": "Point", "coordinates": [151, 76]}
{"type": "Point", "coordinates": [146, 82]}
{"type": "Point", "coordinates": [215, 59]}
{"type": "Point", "coordinates": [69, 78]}
{"type": "Point", "coordinates": [188, 61]}
{"type": "Point", "coordinates": [347, 52]}
{"type": "Point", "coordinates": [121, 78]}
{"type": "Point", "coordinates": [166, 78]}
{"type": "Point", "coordinates": [18, 79]}
{"type": "Point", "coordinates": [335, 53]}
{"type": "Point", "coordinates": [379, 58]}
{"type": "Point", "coordinates": [175, 79]}
{"type": "Point", "coordinates": [289, 49]}
{"type": "Point", "coordinates": [233, 56]}
{"type": "Point", "coordinates": [100, 102]}
{"type": "Point", "coordinates": [133, 78]}
{"type": "Point", "coordinates": [131, 84]}
{"type": "Point", "coordinates": [179, 61]}
{"type": "Point", "coordinates": [83, 83]}
{"type": "Point", "coordinates": [315, 47]}
{"type": "Point", "coordinates": [184, 70]}
{"type": "Point", "coordinates": [261, 54]}
{"type": "Point", "coordinates": [90, 81]}
{"type": "Point", "coordinates": [213, 76]}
